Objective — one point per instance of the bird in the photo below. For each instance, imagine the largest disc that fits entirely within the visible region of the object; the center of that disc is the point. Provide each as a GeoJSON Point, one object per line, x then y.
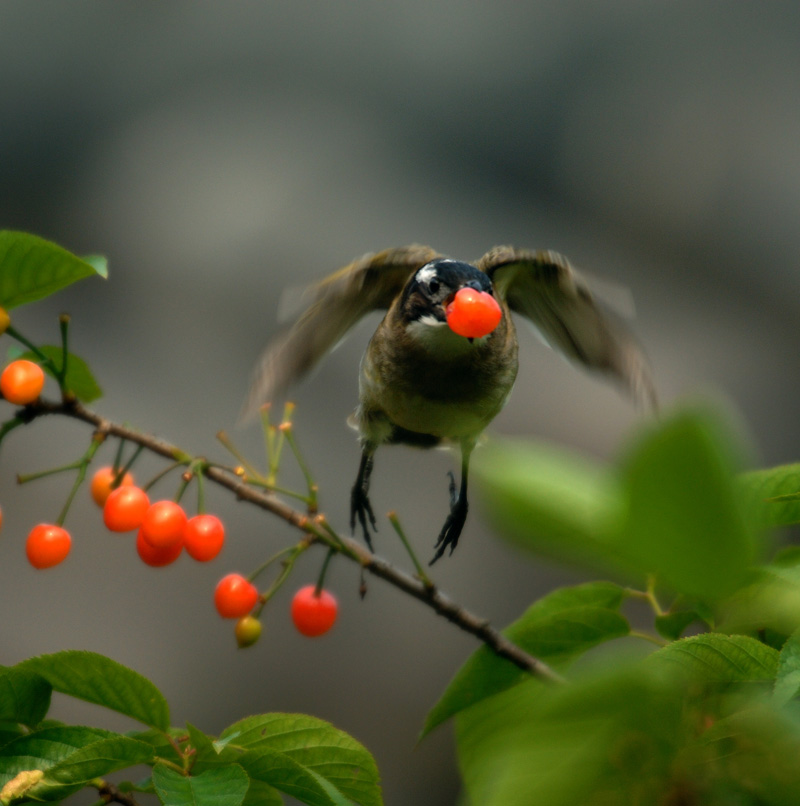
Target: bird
{"type": "Point", "coordinates": [423, 384]}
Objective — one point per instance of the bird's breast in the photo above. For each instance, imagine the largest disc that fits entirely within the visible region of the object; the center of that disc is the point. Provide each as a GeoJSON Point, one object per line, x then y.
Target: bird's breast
{"type": "Point", "coordinates": [447, 394]}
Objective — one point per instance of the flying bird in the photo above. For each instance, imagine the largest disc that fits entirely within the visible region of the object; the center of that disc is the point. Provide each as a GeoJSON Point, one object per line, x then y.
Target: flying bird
{"type": "Point", "coordinates": [442, 362]}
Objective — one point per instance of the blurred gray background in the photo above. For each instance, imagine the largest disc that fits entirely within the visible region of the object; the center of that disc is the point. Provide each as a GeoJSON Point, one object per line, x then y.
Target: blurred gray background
{"type": "Point", "coordinates": [220, 153]}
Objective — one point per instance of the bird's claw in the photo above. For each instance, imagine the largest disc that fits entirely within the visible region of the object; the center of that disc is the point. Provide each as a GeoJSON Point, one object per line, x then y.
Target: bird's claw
{"type": "Point", "coordinates": [361, 509]}
{"type": "Point", "coordinates": [451, 530]}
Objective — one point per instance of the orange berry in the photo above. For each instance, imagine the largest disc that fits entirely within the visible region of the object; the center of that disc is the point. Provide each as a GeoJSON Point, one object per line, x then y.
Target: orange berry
{"type": "Point", "coordinates": [163, 524]}
{"type": "Point", "coordinates": [154, 556]}
{"type": "Point", "coordinates": [22, 382]}
{"type": "Point", "coordinates": [124, 508]}
{"type": "Point", "coordinates": [473, 314]}
{"type": "Point", "coordinates": [203, 537]}
{"type": "Point", "coordinates": [314, 613]}
{"type": "Point", "coordinates": [235, 596]}
{"type": "Point", "coordinates": [47, 545]}
{"type": "Point", "coordinates": [100, 487]}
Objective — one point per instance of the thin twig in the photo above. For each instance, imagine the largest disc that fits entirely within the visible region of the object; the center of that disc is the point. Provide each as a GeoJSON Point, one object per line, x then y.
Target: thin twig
{"type": "Point", "coordinates": [110, 794]}
{"type": "Point", "coordinates": [375, 565]}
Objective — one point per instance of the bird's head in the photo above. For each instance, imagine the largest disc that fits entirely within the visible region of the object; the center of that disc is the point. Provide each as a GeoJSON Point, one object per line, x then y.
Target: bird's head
{"type": "Point", "coordinates": [449, 301]}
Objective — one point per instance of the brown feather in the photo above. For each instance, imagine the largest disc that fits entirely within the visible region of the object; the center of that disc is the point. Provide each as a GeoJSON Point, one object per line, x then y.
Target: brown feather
{"type": "Point", "coordinates": [338, 303]}
{"type": "Point", "coordinates": [543, 287]}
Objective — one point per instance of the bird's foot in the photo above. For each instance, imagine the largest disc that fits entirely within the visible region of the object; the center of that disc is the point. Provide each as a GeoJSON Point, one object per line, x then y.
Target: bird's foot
{"type": "Point", "coordinates": [361, 510]}
{"type": "Point", "coordinates": [451, 530]}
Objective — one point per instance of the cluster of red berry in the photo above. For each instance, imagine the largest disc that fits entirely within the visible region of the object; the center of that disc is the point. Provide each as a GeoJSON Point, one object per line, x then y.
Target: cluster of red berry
{"type": "Point", "coordinates": [164, 531]}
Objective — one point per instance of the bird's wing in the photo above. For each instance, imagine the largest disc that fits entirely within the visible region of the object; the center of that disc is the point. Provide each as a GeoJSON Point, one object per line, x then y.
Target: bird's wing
{"type": "Point", "coordinates": [337, 303]}
{"type": "Point", "coordinates": [542, 286]}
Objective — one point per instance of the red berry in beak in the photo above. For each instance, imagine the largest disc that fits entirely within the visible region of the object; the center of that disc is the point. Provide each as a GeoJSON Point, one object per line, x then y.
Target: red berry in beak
{"type": "Point", "coordinates": [473, 314]}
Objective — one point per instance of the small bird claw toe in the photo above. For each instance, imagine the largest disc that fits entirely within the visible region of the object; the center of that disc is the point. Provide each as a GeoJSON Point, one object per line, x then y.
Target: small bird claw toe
{"type": "Point", "coordinates": [361, 510]}
{"type": "Point", "coordinates": [452, 528]}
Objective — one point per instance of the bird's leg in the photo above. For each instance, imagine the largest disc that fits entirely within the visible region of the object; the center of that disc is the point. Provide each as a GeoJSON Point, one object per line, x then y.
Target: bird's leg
{"type": "Point", "coordinates": [459, 505]}
{"type": "Point", "coordinates": [360, 506]}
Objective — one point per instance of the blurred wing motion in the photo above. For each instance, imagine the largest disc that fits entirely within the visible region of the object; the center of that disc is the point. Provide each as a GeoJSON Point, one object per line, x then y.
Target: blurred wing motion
{"type": "Point", "coordinates": [338, 303]}
{"type": "Point", "coordinates": [542, 286]}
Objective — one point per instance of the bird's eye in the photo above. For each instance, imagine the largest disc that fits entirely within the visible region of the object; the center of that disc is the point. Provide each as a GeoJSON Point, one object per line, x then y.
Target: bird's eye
{"type": "Point", "coordinates": [434, 286]}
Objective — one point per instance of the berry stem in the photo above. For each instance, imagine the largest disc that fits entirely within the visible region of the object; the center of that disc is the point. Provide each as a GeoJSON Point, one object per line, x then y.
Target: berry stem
{"type": "Point", "coordinates": [286, 429]}
{"type": "Point", "coordinates": [265, 484]}
{"type": "Point", "coordinates": [160, 475]}
{"type": "Point", "coordinates": [201, 490]}
{"type": "Point", "coordinates": [10, 425]}
{"type": "Point", "coordinates": [297, 548]}
{"type": "Point", "coordinates": [274, 436]}
{"type": "Point", "coordinates": [63, 325]}
{"type": "Point", "coordinates": [82, 464]}
{"type": "Point", "coordinates": [43, 359]}
{"type": "Point", "coordinates": [186, 480]}
{"type": "Point", "coordinates": [423, 577]}
{"type": "Point", "coordinates": [294, 552]}
{"type": "Point", "coordinates": [40, 474]}
{"type": "Point", "coordinates": [237, 454]}
{"type": "Point", "coordinates": [118, 456]}
{"type": "Point", "coordinates": [321, 579]}
{"type": "Point", "coordinates": [254, 476]}
{"type": "Point", "coordinates": [269, 440]}
{"type": "Point", "coordinates": [120, 474]}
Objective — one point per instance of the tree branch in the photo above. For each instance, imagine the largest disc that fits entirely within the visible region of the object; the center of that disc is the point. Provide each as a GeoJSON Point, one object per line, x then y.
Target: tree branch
{"type": "Point", "coordinates": [427, 594]}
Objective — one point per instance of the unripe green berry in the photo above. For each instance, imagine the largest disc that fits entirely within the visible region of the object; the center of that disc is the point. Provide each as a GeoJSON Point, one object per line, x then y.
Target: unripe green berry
{"type": "Point", "coordinates": [248, 631]}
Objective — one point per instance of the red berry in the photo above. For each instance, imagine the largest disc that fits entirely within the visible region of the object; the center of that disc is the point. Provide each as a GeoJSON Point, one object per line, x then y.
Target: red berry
{"type": "Point", "coordinates": [203, 537]}
{"type": "Point", "coordinates": [100, 487]}
{"type": "Point", "coordinates": [248, 631]}
{"type": "Point", "coordinates": [47, 545]}
{"type": "Point", "coordinates": [473, 313]}
{"type": "Point", "coordinates": [124, 508]}
{"type": "Point", "coordinates": [235, 596]}
{"type": "Point", "coordinates": [313, 614]}
{"type": "Point", "coordinates": [163, 524]}
{"type": "Point", "coordinates": [156, 557]}
{"type": "Point", "coordinates": [22, 382]}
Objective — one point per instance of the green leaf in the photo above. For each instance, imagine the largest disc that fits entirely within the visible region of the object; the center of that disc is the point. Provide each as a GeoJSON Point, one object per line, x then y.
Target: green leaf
{"type": "Point", "coordinates": [775, 492]}
{"type": "Point", "coordinates": [556, 629]}
{"type": "Point", "coordinates": [283, 773]}
{"type": "Point", "coordinates": [225, 786]}
{"type": "Point", "coordinates": [716, 658]}
{"type": "Point", "coordinates": [289, 751]}
{"type": "Point", "coordinates": [262, 794]}
{"type": "Point", "coordinates": [771, 601]}
{"type": "Point", "coordinates": [582, 743]}
{"type": "Point", "coordinates": [754, 751]}
{"type": "Point", "coordinates": [32, 268]}
{"type": "Point", "coordinates": [10, 731]}
{"type": "Point", "coordinates": [160, 743]}
{"type": "Point", "coordinates": [208, 752]}
{"type": "Point", "coordinates": [24, 696]}
{"type": "Point", "coordinates": [672, 625]}
{"type": "Point", "coordinates": [99, 263]}
{"type": "Point", "coordinates": [43, 750]}
{"type": "Point", "coordinates": [787, 681]}
{"type": "Point", "coordinates": [80, 380]}
{"type": "Point", "coordinates": [95, 678]}
{"type": "Point", "coordinates": [686, 520]}
{"type": "Point", "coordinates": [99, 759]}
{"type": "Point", "coordinates": [549, 501]}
